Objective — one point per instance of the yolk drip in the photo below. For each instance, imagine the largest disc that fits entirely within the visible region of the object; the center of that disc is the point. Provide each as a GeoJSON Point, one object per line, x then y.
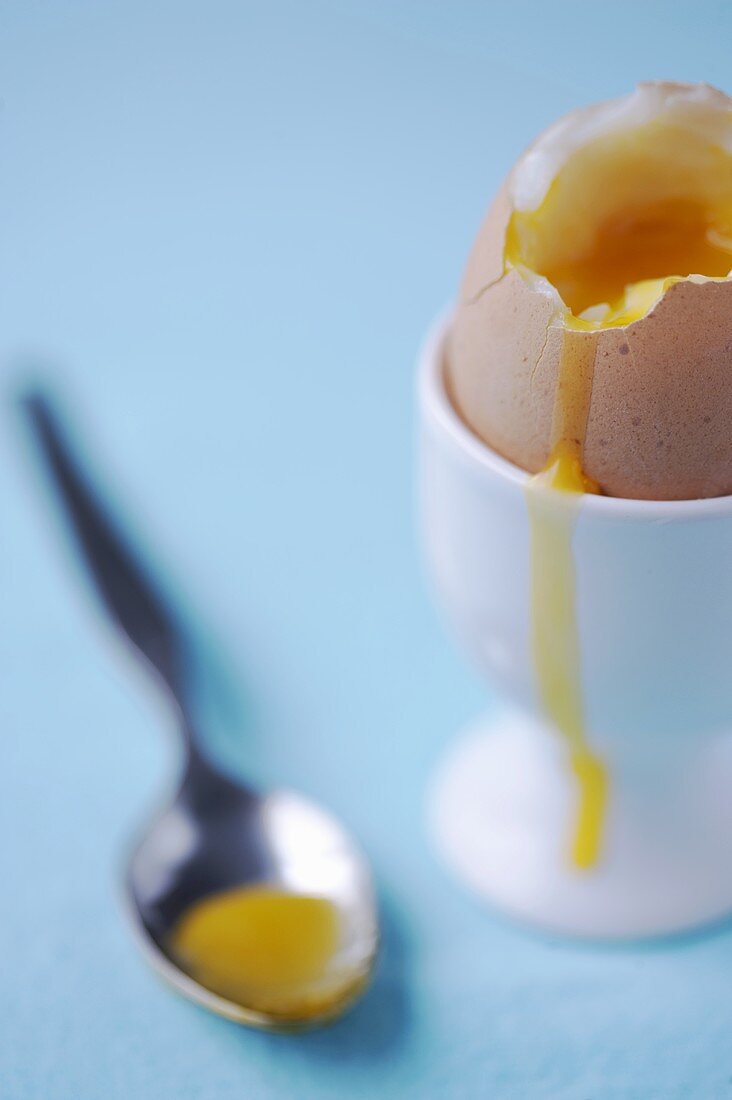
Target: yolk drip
{"type": "Point", "coordinates": [626, 216]}
{"type": "Point", "coordinates": [265, 949]}
{"type": "Point", "coordinates": [555, 637]}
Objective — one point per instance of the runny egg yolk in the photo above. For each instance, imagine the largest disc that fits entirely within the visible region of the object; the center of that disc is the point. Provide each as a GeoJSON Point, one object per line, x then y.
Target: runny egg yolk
{"type": "Point", "coordinates": [265, 949]}
{"type": "Point", "coordinates": [626, 216]}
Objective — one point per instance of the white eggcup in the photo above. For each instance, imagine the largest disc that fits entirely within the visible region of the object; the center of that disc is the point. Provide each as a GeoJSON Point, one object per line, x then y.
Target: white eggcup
{"type": "Point", "coordinates": [654, 619]}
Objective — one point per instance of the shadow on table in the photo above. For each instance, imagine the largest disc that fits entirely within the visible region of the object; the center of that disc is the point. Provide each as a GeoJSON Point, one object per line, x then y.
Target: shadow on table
{"type": "Point", "coordinates": [377, 1026]}
{"type": "Point", "coordinates": [382, 1020]}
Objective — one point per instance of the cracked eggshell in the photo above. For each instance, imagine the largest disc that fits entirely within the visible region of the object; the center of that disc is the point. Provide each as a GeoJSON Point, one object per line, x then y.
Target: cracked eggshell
{"type": "Point", "coordinates": [660, 419]}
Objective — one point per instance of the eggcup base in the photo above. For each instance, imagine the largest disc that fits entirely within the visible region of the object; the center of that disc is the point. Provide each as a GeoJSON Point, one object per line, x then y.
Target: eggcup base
{"type": "Point", "coordinates": [501, 812]}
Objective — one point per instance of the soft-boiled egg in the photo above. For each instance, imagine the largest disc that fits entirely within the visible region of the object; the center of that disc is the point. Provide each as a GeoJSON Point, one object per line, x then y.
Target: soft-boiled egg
{"type": "Point", "coordinates": [595, 317]}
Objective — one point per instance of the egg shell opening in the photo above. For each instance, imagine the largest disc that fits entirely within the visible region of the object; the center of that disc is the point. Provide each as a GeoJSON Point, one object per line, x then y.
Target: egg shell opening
{"type": "Point", "coordinates": [661, 400]}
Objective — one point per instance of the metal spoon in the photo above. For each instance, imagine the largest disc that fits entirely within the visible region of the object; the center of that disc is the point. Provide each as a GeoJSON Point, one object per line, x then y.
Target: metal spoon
{"type": "Point", "coordinates": [215, 834]}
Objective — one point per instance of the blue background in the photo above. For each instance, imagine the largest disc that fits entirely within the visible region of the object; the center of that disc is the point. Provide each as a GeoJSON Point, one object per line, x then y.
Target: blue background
{"type": "Point", "coordinates": [228, 225]}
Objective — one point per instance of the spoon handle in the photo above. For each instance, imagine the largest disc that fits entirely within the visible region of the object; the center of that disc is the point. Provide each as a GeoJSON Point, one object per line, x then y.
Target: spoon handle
{"type": "Point", "coordinates": [125, 586]}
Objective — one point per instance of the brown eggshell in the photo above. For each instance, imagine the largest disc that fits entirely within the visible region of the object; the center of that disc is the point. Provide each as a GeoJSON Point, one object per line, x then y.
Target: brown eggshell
{"type": "Point", "coordinates": [660, 418]}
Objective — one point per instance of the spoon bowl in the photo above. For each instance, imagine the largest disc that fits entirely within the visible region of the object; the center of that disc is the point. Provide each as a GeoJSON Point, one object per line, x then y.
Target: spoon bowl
{"type": "Point", "coordinates": [233, 840]}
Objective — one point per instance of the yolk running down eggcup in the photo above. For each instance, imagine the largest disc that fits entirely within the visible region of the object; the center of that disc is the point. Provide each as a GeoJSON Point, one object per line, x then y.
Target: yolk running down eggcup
{"type": "Point", "coordinates": [576, 472]}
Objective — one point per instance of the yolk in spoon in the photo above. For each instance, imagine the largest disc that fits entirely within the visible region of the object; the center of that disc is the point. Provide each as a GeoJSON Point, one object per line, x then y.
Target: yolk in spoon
{"type": "Point", "coordinates": [263, 948]}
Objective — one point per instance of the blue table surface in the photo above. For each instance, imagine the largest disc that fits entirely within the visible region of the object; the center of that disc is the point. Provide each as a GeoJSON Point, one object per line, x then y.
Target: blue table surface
{"type": "Point", "coordinates": [227, 226]}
